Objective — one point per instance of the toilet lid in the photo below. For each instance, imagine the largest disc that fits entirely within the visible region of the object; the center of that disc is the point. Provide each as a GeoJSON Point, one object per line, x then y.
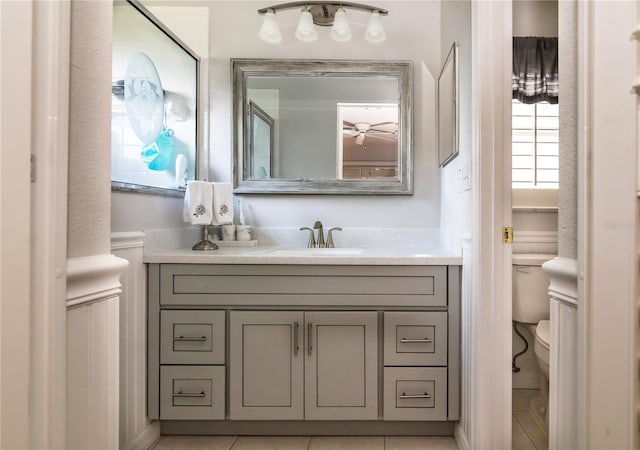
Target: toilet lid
{"type": "Point", "coordinates": [542, 332]}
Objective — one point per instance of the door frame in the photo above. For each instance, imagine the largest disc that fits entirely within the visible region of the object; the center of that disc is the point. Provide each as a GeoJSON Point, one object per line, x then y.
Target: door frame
{"type": "Point", "coordinates": [489, 357]}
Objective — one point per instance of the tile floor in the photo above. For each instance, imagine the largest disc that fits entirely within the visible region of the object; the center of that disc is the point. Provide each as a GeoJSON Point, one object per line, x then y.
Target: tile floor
{"type": "Point", "coordinates": [306, 443]}
{"type": "Point", "coordinates": [526, 433]}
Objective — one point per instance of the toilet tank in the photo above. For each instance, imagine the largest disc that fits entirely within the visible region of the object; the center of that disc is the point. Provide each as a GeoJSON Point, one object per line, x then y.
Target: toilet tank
{"type": "Point", "coordinates": [530, 288]}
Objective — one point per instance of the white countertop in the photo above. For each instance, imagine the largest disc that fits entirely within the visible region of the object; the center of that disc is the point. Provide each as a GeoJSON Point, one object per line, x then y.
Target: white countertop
{"type": "Point", "coordinates": [399, 256]}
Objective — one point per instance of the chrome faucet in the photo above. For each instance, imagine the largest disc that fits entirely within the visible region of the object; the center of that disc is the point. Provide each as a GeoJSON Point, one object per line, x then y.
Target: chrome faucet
{"type": "Point", "coordinates": [320, 242]}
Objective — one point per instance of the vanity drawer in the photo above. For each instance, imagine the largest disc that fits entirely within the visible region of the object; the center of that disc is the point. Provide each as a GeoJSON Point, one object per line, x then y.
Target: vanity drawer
{"type": "Point", "coordinates": [415, 393]}
{"type": "Point", "coordinates": [192, 392]}
{"type": "Point", "coordinates": [302, 285]}
{"type": "Point", "coordinates": [415, 338]}
{"type": "Point", "coordinates": [192, 337]}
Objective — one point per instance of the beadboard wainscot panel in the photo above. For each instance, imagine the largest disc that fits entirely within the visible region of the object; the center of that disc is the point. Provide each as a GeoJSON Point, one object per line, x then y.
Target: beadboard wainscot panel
{"type": "Point", "coordinates": [93, 290]}
{"type": "Point", "coordinates": [136, 430]}
{"type": "Point", "coordinates": [563, 352]}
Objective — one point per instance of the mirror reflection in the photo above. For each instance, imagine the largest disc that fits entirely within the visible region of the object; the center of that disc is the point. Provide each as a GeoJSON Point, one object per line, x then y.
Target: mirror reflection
{"type": "Point", "coordinates": [322, 126]}
{"type": "Point", "coordinates": [369, 144]}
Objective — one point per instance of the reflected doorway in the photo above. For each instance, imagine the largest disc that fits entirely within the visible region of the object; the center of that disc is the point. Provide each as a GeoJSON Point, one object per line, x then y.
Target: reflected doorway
{"type": "Point", "coordinates": [367, 146]}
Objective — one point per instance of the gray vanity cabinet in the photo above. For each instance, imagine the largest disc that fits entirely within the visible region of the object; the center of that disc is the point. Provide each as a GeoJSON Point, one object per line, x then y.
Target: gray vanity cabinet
{"type": "Point", "coordinates": [273, 354]}
{"type": "Point", "coordinates": [266, 363]}
{"type": "Point", "coordinates": [236, 348]}
{"type": "Point", "coordinates": [341, 381]}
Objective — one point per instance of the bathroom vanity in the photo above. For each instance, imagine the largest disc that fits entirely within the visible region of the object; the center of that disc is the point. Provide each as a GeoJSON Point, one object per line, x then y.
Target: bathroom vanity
{"type": "Point", "coordinates": [251, 341]}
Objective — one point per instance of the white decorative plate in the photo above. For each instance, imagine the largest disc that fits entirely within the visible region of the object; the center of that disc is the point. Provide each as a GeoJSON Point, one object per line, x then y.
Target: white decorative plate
{"type": "Point", "coordinates": [144, 98]}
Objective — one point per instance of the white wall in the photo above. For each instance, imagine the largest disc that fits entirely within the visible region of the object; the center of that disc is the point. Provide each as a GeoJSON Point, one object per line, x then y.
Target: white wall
{"type": "Point", "coordinates": [455, 197]}
{"type": "Point", "coordinates": [234, 27]}
{"type": "Point", "coordinates": [535, 18]}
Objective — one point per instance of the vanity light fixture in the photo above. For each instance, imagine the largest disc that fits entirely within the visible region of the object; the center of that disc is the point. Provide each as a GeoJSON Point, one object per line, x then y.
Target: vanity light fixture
{"type": "Point", "coordinates": [270, 31]}
{"type": "Point", "coordinates": [322, 14]}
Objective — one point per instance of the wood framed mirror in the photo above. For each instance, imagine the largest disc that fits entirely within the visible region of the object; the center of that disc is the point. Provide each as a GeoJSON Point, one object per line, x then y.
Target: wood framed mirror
{"type": "Point", "coordinates": [338, 127]}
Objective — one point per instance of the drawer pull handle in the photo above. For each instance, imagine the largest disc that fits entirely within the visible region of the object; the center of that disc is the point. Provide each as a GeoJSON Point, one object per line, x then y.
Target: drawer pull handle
{"type": "Point", "coordinates": [190, 338]}
{"type": "Point", "coordinates": [414, 341]}
{"type": "Point", "coordinates": [190, 394]}
{"type": "Point", "coordinates": [425, 395]}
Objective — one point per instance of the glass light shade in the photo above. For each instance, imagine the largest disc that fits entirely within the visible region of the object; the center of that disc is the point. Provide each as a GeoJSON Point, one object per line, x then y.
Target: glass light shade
{"type": "Point", "coordinates": [341, 31]}
{"type": "Point", "coordinates": [270, 31]}
{"type": "Point", "coordinates": [360, 138]}
{"type": "Point", "coordinates": [375, 30]}
{"type": "Point", "coordinates": [306, 31]}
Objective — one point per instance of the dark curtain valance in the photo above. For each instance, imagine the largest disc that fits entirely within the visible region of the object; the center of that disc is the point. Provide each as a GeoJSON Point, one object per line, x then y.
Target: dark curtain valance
{"type": "Point", "coordinates": [535, 69]}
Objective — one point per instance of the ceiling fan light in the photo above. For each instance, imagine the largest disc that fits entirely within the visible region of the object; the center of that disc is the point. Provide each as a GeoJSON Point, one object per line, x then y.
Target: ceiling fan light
{"type": "Point", "coordinates": [341, 31]}
{"type": "Point", "coordinates": [306, 31]}
{"type": "Point", "coordinates": [375, 31]}
{"type": "Point", "coordinates": [270, 31]}
{"type": "Point", "coordinates": [360, 138]}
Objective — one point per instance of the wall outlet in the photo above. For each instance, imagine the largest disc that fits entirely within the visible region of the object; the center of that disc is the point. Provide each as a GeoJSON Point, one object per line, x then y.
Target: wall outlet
{"type": "Point", "coordinates": [466, 176]}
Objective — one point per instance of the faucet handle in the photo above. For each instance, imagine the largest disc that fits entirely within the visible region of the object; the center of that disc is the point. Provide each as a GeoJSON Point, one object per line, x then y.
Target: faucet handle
{"type": "Point", "coordinates": [330, 236]}
{"type": "Point", "coordinates": [312, 240]}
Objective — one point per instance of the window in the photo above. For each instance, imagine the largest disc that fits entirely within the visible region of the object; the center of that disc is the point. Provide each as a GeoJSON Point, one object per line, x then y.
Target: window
{"type": "Point", "coordinates": [535, 138]}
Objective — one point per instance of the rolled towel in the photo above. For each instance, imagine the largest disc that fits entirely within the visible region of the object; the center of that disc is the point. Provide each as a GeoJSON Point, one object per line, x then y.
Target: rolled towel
{"type": "Point", "coordinates": [198, 201]}
{"type": "Point", "coordinates": [222, 203]}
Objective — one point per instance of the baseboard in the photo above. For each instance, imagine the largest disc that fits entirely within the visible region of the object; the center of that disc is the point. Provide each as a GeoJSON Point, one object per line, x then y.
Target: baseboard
{"type": "Point", "coordinates": [301, 427]}
{"type": "Point", "coordinates": [146, 438]}
{"type": "Point", "coordinates": [526, 381]}
{"type": "Point", "coordinates": [461, 438]}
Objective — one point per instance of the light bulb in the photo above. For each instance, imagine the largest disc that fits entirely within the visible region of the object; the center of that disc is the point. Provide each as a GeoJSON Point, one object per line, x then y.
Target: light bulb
{"type": "Point", "coordinates": [340, 31]}
{"type": "Point", "coordinates": [306, 31]}
{"type": "Point", "coordinates": [270, 31]}
{"type": "Point", "coordinates": [375, 30]}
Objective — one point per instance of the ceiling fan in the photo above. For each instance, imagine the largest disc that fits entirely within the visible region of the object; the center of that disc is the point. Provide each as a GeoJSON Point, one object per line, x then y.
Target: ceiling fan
{"type": "Point", "coordinates": [361, 129]}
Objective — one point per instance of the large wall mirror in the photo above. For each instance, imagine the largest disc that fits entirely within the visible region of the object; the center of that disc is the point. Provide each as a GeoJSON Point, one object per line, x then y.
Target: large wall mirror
{"type": "Point", "coordinates": [322, 127]}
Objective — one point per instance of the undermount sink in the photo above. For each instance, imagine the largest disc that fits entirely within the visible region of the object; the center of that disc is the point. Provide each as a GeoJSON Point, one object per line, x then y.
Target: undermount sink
{"type": "Point", "coordinates": [316, 251]}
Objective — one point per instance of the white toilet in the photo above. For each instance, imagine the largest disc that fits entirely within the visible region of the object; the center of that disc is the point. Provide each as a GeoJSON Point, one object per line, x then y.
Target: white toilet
{"type": "Point", "coordinates": [531, 308]}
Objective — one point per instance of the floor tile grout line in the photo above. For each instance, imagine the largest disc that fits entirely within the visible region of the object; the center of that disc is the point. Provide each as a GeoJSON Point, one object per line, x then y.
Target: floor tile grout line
{"type": "Point", "coordinates": [533, 441]}
{"type": "Point", "coordinates": [524, 431]}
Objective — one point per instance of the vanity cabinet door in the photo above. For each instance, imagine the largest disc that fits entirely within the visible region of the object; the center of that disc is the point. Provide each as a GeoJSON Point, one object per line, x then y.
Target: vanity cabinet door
{"type": "Point", "coordinates": [266, 365]}
{"type": "Point", "coordinates": [341, 378]}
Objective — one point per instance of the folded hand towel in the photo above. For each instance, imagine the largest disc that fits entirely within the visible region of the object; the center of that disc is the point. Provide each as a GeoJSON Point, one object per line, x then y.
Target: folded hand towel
{"type": "Point", "coordinates": [222, 203]}
{"type": "Point", "coordinates": [198, 201]}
